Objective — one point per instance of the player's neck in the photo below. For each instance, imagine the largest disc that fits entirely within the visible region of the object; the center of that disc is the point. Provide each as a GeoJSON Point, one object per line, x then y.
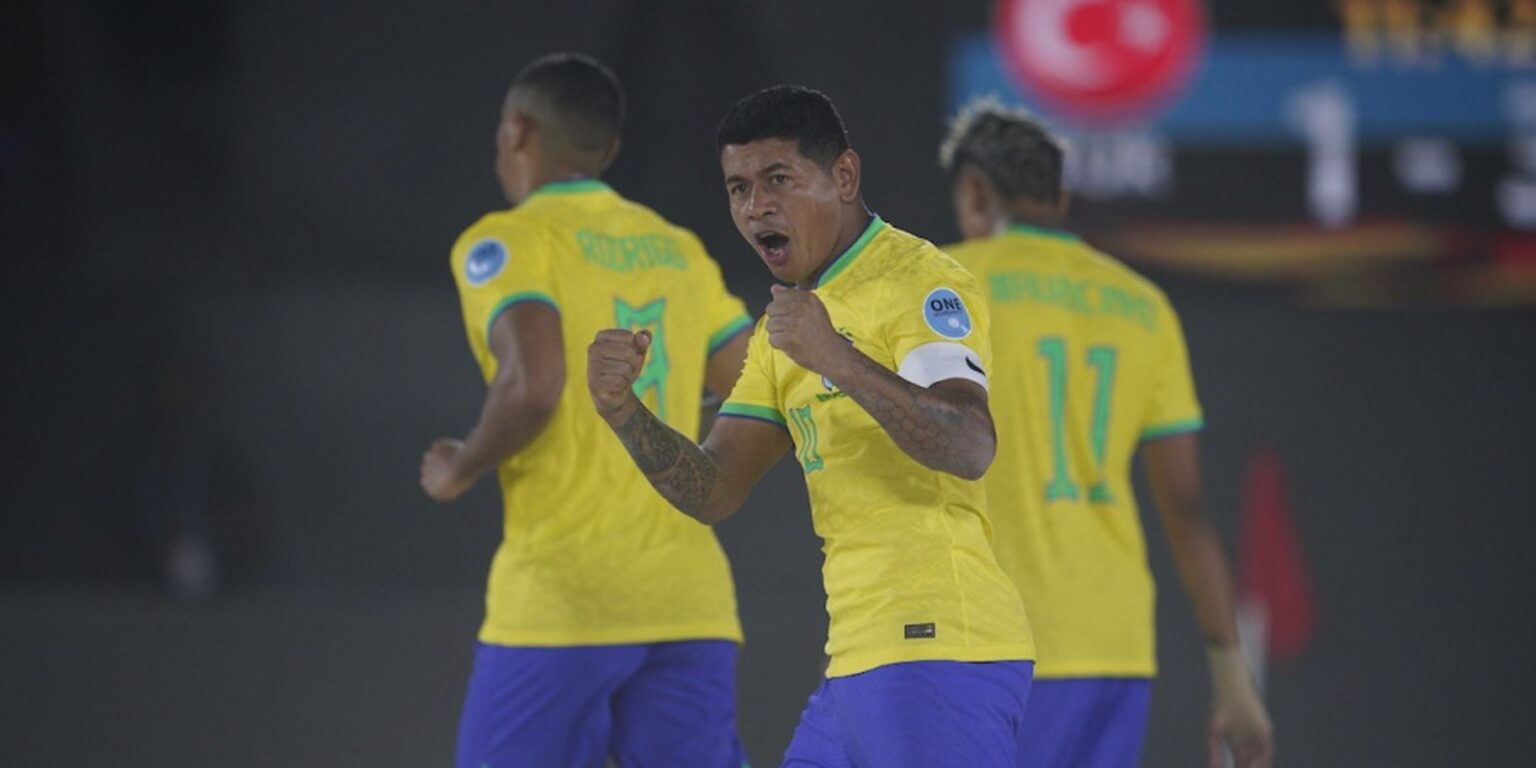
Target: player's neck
{"type": "Point", "coordinates": [1029, 213]}
{"type": "Point", "coordinates": [543, 177]}
{"type": "Point", "coordinates": [1010, 222]}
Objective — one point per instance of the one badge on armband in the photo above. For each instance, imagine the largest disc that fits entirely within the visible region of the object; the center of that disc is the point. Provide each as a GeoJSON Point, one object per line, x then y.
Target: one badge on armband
{"type": "Point", "coordinates": [485, 261]}
{"type": "Point", "coordinates": [946, 314]}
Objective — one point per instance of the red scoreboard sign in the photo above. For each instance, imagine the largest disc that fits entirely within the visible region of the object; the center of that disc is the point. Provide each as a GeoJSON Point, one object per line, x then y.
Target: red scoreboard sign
{"type": "Point", "coordinates": [1101, 61]}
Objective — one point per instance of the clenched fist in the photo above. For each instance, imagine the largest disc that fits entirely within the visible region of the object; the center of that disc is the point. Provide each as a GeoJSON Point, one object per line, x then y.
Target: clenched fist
{"type": "Point", "coordinates": [614, 360]}
{"type": "Point", "coordinates": [1238, 717]}
{"type": "Point", "coordinates": [440, 476]}
{"type": "Point", "coordinates": [798, 325]}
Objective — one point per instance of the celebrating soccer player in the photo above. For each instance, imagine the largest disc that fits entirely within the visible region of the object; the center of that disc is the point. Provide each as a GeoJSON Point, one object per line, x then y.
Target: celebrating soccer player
{"type": "Point", "coordinates": [611, 628]}
{"type": "Point", "coordinates": [1091, 368]}
{"type": "Point", "coordinates": [874, 368]}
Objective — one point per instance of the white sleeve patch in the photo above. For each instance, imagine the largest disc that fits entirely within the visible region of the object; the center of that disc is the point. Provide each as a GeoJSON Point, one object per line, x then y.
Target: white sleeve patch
{"type": "Point", "coordinates": [941, 360]}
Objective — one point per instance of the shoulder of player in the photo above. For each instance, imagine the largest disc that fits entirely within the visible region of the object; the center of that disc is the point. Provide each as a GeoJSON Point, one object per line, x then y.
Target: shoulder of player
{"type": "Point", "coordinates": [758, 347]}
{"type": "Point", "coordinates": [627, 206]}
{"type": "Point", "coordinates": [497, 239]}
{"type": "Point", "coordinates": [908, 259]}
{"type": "Point", "coordinates": [691, 244]}
{"type": "Point", "coordinates": [1109, 269]}
{"type": "Point", "coordinates": [970, 253]}
{"type": "Point", "coordinates": [512, 228]}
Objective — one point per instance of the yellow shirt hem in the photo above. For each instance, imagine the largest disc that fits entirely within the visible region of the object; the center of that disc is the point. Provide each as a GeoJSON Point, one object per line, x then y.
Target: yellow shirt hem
{"type": "Point", "coordinates": [854, 663]}
{"type": "Point", "coordinates": [662, 633]}
{"type": "Point", "coordinates": [1061, 669]}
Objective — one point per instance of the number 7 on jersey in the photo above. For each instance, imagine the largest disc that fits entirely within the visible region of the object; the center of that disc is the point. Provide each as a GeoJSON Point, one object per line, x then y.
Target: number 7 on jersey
{"type": "Point", "coordinates": [653, 379]}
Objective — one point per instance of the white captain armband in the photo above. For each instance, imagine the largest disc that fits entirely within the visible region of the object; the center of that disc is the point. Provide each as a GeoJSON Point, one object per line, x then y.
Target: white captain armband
{"type": "Point", "coordinates": [941, 360]}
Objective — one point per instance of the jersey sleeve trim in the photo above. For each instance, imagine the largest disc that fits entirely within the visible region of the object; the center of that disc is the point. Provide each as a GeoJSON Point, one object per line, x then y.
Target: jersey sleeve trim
{"type": "Point", "coordinates": [727, 332]}
{"type": "Point", "coordinates": [517, 298]}
{"type": "Point", "coordinates": [1173, 428]}
{"type": "Point", "coordinates": [756, 412]}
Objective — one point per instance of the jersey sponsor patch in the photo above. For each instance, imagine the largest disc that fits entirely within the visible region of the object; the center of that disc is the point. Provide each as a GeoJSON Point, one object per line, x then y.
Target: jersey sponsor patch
{"type": "Point", "coordinates": [486, 260]}
{"type": "Point", "coordinates": [920, 631]}
{"type": "Point", "coordinates": [946, 314]}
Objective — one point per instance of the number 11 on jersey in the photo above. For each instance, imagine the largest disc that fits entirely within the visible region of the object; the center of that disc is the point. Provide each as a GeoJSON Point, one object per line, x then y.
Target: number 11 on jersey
{"type": "Point", "coordinates": [1102, 359]}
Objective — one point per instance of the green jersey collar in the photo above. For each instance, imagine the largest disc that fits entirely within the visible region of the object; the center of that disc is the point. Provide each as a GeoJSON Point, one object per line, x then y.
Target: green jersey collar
{"type": "Point", "coordinates": [841, 262]}
{"type": "Point", "coordinates": [568, 187]}
{"type": "Point", "coordinates": [1030, 229]}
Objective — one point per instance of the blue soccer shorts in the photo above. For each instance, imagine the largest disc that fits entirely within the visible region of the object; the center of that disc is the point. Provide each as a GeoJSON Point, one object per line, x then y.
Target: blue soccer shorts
{"type": "Point", "coordinates": [918, 714]}
{"type": "Point", "coordinates": [657, 705]}
{"type": "Point", "coordinates": [1095, 722]}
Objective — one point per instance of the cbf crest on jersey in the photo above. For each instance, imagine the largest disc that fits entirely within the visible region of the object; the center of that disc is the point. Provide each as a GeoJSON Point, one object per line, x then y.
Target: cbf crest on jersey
{"type": "Point", "coordinates": [946, 314]}
{"type": "Point", "coordinates": [485, 261]}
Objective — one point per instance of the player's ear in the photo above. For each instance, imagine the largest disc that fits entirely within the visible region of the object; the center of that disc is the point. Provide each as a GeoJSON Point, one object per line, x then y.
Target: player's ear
{"type": "Point", "coordinates": [506, 136]}
{"type": "Point", "coordinates": [520, 130]}
{"type": "Point", "coordinates": [975, 211]}
{"type": "Point", "coordinates": [972, 192]}
{"type": "Point", "coordinates": [613, 152]}
{"type": "Point", "coordinates": [1063, 202]}
{"type": "Point", "coordinates": [845, 175]}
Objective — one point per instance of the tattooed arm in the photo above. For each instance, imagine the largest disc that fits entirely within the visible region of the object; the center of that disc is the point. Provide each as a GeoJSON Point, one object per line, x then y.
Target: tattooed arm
{"type": "Point", "coordinates": [708, 482]}
{"type": "Point", "coordinates": [946, 426]}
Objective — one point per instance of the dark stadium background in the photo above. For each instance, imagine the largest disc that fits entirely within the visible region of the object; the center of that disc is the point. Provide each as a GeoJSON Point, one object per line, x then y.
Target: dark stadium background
{"type": "Point", "coordinates": [229, 322]}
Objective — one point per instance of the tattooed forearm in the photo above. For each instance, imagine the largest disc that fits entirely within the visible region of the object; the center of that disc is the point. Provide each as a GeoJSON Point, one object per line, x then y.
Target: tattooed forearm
{"type": "Point", "coordinates": [691, 482]}
{"type": "Point", "coordinates": [675, 465]}
{"type": "Point", "coordinates": [945, 430]}
{"type": "Point", "coordinates": [649, 441]}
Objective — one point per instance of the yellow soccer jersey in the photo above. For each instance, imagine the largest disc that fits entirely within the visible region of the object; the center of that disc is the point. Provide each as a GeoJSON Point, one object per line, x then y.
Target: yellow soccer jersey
{"type": "Point", "coordinates": [909, 570]}
{"type": "Point", "coordinates": [1090, 363]}
{"type": "Point", "coordinates": [591, 554]}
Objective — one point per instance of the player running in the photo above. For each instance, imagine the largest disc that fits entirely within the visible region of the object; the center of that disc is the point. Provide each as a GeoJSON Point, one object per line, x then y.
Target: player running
{"type": "Point", "coordinates": [1091, 368]}
{"type": "Point", "coordinates": [611, 628]}
{"type": "Point", "coordinates": [873, 367]}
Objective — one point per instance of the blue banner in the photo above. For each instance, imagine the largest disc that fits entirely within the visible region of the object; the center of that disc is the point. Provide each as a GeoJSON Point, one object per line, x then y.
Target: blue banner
{"type": "Point", "coordinates": [1244, 91]}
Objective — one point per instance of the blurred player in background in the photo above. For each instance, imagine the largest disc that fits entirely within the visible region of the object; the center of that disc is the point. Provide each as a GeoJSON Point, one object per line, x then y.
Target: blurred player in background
{"type": "Point", "coordinates": [1091, 368]}
{"type": "Point", "coordinates": [872, 367]}
{"type": "Point", "coordinates": [611, 627]}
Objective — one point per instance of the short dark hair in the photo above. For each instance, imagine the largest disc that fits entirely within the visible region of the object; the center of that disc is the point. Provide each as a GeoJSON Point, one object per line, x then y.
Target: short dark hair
{"type": "Point", "coordinates": [787, 112]}
{"type": "Point", "coordinates": [1016, 152]}
{"type": "Point", "coordinates": [579, 99]}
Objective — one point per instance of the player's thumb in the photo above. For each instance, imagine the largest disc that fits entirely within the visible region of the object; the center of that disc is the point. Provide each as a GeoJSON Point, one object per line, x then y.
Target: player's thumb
{"type": "Point", "coordinates": [642, 342]}
{"type": "Point", "coordinates": [777, 289]}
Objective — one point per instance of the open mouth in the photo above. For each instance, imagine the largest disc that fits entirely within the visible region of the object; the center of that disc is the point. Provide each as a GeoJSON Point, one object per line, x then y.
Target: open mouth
{"type": "Point", "coordinates": [775, 247]}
